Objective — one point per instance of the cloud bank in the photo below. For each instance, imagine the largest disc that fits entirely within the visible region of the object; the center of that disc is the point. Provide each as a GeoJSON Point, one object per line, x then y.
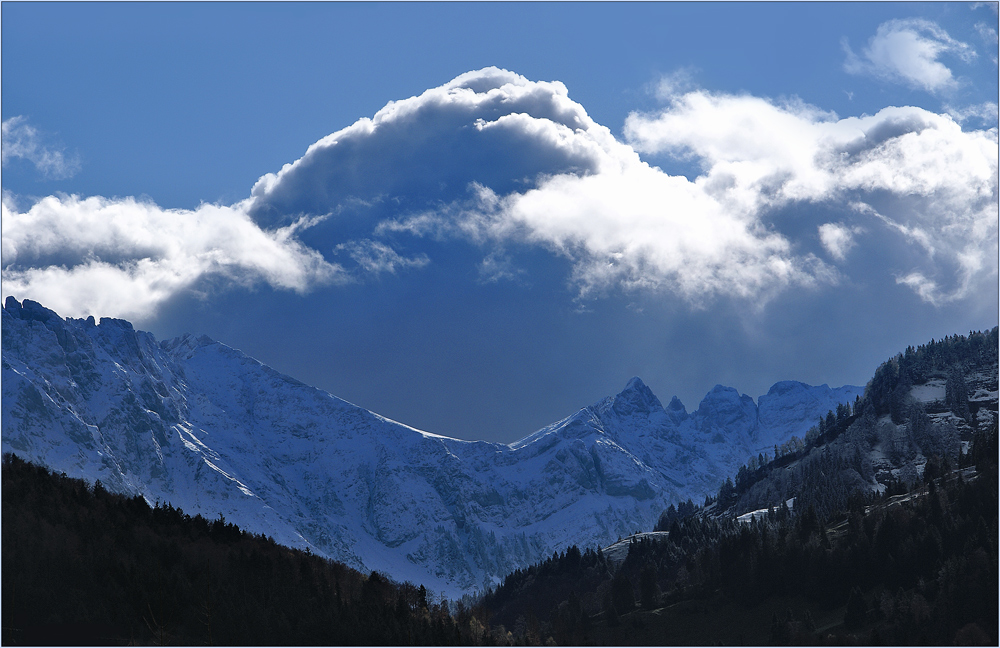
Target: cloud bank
{"type": "Point", "coordinates": [500, 162]}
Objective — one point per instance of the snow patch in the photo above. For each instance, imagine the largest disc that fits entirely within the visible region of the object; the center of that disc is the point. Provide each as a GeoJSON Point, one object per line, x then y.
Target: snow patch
{"type": "Point", "coordinates": [929, 392]}
{"type": "Point", "coordinates": [747, 518]}
{"type": "Point", "coordinates": [618, 551]}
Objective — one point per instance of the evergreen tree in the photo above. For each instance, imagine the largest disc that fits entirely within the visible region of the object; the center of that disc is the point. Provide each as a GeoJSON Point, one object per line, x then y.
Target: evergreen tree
{"type": "Point", "coordinates": [649, 589]}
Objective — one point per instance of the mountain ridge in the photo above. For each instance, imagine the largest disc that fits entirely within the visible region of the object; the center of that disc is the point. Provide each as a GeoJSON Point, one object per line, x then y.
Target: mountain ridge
{"type": "Point", "coordinates": [198, 423]}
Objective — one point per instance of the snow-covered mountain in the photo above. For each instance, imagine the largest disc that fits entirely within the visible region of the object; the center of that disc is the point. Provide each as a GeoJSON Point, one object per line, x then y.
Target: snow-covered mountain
{"type": "Point", "coordinates": [211, 430]}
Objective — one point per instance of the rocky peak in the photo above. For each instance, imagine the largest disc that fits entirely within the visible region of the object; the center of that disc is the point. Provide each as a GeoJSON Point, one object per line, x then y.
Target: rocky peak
{"type": "Point", "coordinates": [29, 310]}
{"type": "Point", "coordinates": [676, 410]}
{"type": "Point", "coordinates": [636, 398]}
{"type": "Point", "coordinates": [726, 407]}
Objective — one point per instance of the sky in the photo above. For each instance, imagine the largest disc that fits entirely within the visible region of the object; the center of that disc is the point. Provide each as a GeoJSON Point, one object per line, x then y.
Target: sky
{"type": "Point", "coordinates": [478, 218]}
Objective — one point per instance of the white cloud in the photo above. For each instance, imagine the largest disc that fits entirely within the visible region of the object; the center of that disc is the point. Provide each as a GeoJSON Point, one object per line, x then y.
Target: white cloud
{"type": "Point", "coordinates": [915, 234]}
{"type": "Point", "coordinates": [124, 258]}
{"type": "Point", "coordinates": [930, 291]}
{"type": "Point", "coordinates": [540, 171]}
{"type": "Point", "coordinates": [490, 127]}
{"type": "Point", "coordinates": [989, 36]}
{"type": "Point", "coordinates": [22, 140]}
{"type": "Point", "coordinates": [837, 238]}
{"type": "Point", "coordinates": [924, 287]}
{"type": "Point", "coordinates": [497, 266]}
{"type": "Point", "coordinates": [987, 33]}
{"type": "Point", "coordinates": [620, 221]}
{"type": "Point", "coordinates": [494, 158]}
{"type": "Point", "coordinates": [376, 257]}
{"type": "Point", "coordinates": [640, 228]}
{"type": "Point", "coordinates": [936, 182]}
{"type": "Point", "coordinates": [907, 51]}
{"type": "Point", "coordinates": [757, 153]}
{"type": "Point", "coordinates": [675, 83]}
{"type": "Point", "coordinates": [986, 112]}
{"type": "Point", "coordinates": [971, 253]}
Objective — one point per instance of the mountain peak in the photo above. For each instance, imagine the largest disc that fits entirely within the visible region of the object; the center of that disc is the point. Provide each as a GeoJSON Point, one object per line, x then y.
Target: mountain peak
{"type": "Point", "coordinates": [29, 310]}
{"type": "Point", "coordinates": [723, 394]}
{"type": "Point", "coordinates": [636, 398]}
{"type": "Point", "coordinates": [676, 410]}
{"type": "Point", "coordinates": [635, 383]}
{"type": "Point", "coordinates": [786, 386]}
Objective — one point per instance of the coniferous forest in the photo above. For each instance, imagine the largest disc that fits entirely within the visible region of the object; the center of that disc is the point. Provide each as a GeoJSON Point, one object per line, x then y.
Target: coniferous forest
{"type": "Point", "coordinates": [83, 566]}
{"type": "Point", "coordinates": [917, 568]}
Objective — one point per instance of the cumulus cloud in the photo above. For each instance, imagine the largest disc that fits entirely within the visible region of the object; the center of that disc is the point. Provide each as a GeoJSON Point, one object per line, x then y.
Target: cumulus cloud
{"type": "Point", "coordinates": [21, 140]}
{"type": "Point", "coordinates": [500, 158]}
{"type": "Point", "coordinates": [492, 127]}
{"type": "Point", "coordinates": [640, 228]}
{"type": "Point", "coordinates": [907, 51]}
{"type": "Point", "coordinates": [936, 181]}
{"type": "Point", "coordinates": [124, 258]}
{"type": "Point", "coordinates": [492, 156]}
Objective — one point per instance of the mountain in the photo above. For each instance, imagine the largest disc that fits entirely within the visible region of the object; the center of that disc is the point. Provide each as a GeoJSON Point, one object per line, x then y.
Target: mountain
{"type": "Point", "coordinates": [203, 426]}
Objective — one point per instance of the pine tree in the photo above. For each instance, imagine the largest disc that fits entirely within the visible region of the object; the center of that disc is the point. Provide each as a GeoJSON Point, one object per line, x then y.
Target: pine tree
{"type": "Point", "coordinates": [857, 610]}
{"type": "Point", "coordinates": [649, 590]}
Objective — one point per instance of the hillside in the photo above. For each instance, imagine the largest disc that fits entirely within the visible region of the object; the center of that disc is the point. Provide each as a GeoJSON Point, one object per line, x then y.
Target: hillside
{"type": "Point", "coordinates": [918, 568]}
{"type": "Point", "coordinates": [835, 540]}
{"type": "Point", "coordinates": [920, 410]}
{"type": "Point", "coordinates": [84, 566]}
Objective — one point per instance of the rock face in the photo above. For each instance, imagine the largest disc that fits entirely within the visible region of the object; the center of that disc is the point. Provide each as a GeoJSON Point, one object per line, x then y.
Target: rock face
{"type": "Point", "coordinates": [207, 428]}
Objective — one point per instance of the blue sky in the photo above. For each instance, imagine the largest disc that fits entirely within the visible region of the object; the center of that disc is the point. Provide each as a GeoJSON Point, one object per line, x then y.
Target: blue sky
{"type": "Point", "coordinates": [563, 195]}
